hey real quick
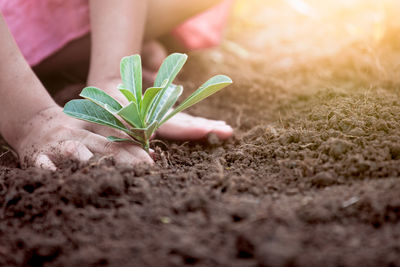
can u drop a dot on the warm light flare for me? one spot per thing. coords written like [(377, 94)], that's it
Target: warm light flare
[(312, 28)]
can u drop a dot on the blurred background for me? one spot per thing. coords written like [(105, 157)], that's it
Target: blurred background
[(362, 35), (313, 27), (280, 51)]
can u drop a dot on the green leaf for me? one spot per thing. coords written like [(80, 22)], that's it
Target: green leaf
[(131, 74), (167, 100), (138, 134), (151, 129), (86, 110), (117, 139), (210, 87), (131, 115), (164, 83), (148, 98), (143, 134), (101, 98), (128, 94), (169, 69)]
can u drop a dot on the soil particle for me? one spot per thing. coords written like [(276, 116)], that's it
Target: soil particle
[(394, 151), (42, 253), (323, 179), (337, 147), (213, 139), (357, 132)]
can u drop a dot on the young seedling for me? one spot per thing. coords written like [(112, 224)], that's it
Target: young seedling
[(146, 112)]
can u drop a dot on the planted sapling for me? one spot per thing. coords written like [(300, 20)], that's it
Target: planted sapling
[(144, 113)]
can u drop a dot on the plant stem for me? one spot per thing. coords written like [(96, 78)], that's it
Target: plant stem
[(146, 146)]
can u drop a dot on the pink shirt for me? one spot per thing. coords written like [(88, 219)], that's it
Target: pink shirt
[(42, 27)]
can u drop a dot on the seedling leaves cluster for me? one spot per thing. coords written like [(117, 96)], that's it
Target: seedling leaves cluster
[(144, 113)]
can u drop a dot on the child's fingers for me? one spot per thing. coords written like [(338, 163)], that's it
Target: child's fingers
[(74, 150), (122, 153), (223, 132), (140, 154), (55, 154), (44, 162), (152, 154), (186, 127)]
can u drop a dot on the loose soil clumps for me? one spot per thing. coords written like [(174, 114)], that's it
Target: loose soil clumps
[(311, 178)]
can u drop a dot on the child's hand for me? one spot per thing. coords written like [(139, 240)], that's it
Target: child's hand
[(51, 136), (186, 127)]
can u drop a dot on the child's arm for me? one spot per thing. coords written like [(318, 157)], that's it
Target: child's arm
[(32, 123), (22, 94), (117, 31)]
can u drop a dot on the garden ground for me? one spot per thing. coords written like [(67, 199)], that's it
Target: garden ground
[(311, 177)]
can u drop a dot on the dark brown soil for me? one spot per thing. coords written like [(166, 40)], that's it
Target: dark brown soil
[(311, 177)]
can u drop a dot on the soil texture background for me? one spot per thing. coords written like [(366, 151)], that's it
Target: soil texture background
[(311, 177)]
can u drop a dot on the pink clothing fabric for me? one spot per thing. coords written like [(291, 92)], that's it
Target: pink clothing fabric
[(42, 27)]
